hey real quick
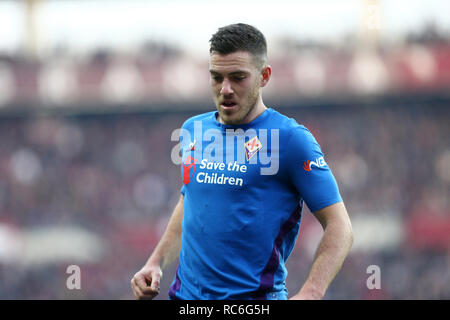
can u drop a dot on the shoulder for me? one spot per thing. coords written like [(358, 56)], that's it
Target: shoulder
[(291, 131)]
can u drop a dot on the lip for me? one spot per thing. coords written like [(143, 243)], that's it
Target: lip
[(225, 107)]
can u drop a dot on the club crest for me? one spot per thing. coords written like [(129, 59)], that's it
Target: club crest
[(252, 146)]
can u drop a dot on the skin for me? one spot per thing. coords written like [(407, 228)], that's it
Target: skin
[(237, 78), (145, 283), (331, 252)]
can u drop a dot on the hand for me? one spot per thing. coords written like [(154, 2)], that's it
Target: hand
[(145, 282)]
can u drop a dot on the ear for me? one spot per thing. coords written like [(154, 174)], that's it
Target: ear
[(265, 73)]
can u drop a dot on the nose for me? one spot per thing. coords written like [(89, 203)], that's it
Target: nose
[(226, 87)]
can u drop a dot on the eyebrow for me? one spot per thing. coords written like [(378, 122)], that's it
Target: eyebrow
[(238, 72)]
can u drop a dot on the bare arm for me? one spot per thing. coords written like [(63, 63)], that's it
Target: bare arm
[(169, 246), (331, 252), (145, 283)]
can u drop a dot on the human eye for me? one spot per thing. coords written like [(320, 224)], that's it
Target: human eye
[(216, 78), (238, 77)]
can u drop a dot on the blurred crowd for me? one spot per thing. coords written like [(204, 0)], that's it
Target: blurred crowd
[(111, 176), (157, 72), (96, 189)]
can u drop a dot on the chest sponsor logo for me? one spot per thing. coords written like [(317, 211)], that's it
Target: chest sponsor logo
[(188, 169), (227, 146)]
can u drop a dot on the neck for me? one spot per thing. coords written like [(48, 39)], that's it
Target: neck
[(256, 111)]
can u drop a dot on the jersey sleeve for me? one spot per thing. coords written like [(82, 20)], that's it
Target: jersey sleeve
[(310, 174)]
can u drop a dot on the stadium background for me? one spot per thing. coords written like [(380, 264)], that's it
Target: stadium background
[(86, 176)]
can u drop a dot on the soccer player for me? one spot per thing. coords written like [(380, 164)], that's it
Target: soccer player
[(247, 170)]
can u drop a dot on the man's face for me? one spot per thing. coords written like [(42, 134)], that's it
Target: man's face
[(235, 82)]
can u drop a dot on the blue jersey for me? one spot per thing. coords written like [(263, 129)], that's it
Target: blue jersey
[(244, 187)]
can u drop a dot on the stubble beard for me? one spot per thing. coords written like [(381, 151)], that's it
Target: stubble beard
[(241, 116)]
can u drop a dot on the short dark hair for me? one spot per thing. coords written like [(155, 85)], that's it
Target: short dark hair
[(240, 37)]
